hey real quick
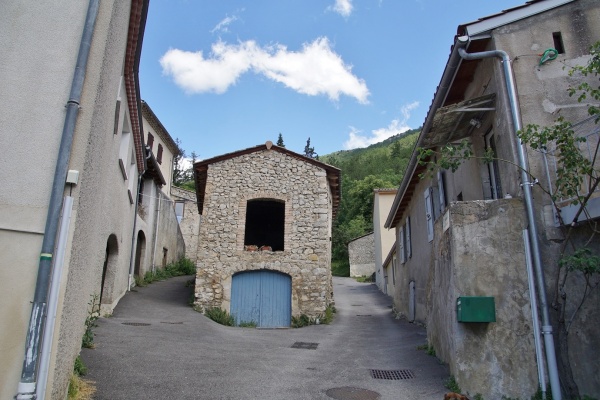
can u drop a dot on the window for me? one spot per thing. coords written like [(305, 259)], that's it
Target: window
[(558, 42), (265, 222), (429, 212), (179, 208), (159, 153), (495, 187), (441, 191), (401, 245), (150, 140)]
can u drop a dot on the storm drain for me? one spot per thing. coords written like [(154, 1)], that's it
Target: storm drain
[(363, 315), (171, 323), (352, 393), (136, 323), (393, 375), (305, 345)]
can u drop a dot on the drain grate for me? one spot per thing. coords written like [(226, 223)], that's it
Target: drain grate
[(363, 315), (393, 375), (352, 393), (305, 345), (171, 323), (136, 323)]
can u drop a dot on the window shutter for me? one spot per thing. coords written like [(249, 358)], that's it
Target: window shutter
[(429, 213), (150, 140), (159, 153), (401, 246), (408, 245)]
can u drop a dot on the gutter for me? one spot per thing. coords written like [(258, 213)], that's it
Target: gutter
[(27, 385), (510, 86)]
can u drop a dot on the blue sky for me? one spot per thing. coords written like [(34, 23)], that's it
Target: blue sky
[(227, 75)]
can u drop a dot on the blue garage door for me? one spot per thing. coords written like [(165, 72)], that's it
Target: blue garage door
[(263, 297)]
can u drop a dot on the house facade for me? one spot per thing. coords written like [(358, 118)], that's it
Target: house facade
[(361, 255), (159, 238), (264, 249), (72, 104), (384, 238), (481, 230)]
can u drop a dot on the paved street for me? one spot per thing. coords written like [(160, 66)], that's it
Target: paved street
[(156, 346)]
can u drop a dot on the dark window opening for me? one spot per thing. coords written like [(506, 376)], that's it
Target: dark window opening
[(558, 42), (265, 219), (459, 197), (150, 140), (159, 153)]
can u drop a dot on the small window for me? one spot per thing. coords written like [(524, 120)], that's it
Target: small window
[(179, 209), (401, 248), (558, 42), (150, 140), (159, 153), (265, 222)]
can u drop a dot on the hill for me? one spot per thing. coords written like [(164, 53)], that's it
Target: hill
[(380, 165)]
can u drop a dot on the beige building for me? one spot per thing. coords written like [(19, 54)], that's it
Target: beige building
[(384, 238), (264, 250), (71, 111), (485, 230)]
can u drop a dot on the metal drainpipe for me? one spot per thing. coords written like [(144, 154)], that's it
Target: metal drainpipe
[(133, 235), (526, 185), (27, 385)]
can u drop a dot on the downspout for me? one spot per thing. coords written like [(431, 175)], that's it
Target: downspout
[(133, 235), (27, 385), (526, 185)]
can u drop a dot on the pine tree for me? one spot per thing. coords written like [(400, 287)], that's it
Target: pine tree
[(280, 141), (310, 151)]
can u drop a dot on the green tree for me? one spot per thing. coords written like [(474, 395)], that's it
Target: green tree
[(280, 141), (181, 174), (310, 151)]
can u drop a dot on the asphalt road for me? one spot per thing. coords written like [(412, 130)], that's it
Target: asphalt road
[(155, 346)]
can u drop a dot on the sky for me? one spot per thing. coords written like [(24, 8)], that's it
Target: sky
[(227, 75)]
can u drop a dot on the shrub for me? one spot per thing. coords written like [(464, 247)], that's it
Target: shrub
[(220, 316)]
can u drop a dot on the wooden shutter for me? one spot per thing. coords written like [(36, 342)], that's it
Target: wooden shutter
[(429, 213)]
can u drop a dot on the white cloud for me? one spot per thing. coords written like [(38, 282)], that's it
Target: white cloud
[(223, 26), (356, 140), (343, 7), (315, 70)]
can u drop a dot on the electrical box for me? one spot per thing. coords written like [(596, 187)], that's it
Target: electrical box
[(475, 309)]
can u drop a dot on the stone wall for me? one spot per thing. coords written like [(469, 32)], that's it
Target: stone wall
[(361, 254), (266, 174), (482, 254), (190, 223)]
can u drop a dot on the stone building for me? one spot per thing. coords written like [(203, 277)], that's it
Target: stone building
[(478, 232), (361, 255), (264, 250)]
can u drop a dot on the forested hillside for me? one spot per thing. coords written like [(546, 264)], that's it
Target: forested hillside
[(378, 166)]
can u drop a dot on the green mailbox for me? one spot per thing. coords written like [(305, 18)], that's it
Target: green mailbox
[(475, 309)]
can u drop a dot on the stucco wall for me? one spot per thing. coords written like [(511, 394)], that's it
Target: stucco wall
[(482, 254), (361, 254), (307, 248), (385, 239), (542, 91), (35, 101)]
